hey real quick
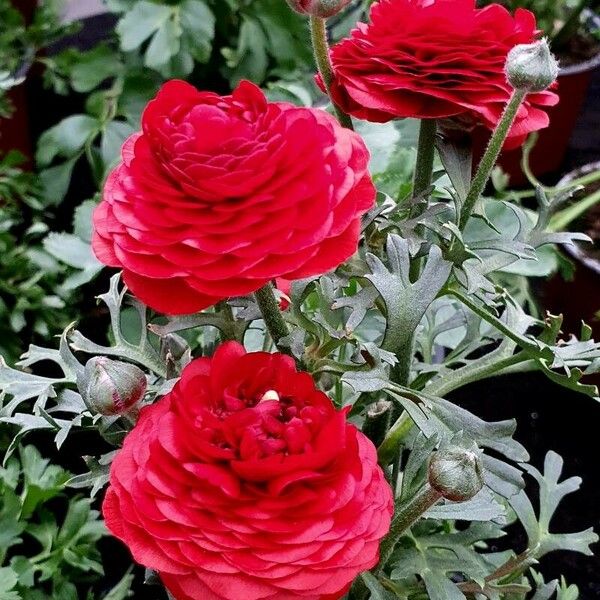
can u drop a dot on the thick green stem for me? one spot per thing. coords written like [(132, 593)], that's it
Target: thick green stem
[(405, 515), (484, 170), (483, 368), (524, 342), (425, 154), (318, 36), (269, 308), (422, 179)]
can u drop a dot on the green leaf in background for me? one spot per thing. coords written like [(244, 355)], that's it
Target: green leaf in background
[(76, 253), (142, 21), (177, 34), (113, 136), (55, 181), (121, 590), (94, 67), (249, 59), (8, 581), (393, 156), (138, 88), (164, 44), (82, 220), (378, 592), (552, 492), (11, 528), (198, 28), (66, 139), (41, 480), (49, 554), (97, 476)]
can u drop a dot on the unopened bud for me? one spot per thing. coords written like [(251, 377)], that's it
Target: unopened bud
[(531, 67), (318, 8), (111, 387), (456, 473)]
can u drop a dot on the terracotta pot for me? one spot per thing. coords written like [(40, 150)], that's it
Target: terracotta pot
[(553, 142), (579, 299)]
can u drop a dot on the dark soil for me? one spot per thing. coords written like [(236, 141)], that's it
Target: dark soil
[(550, 417), (577, 50), (589, 223)]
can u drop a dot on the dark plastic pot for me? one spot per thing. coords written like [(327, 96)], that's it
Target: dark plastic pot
[(578, 251), (579, 299), (551, 148), (14, 132), (550, 417)]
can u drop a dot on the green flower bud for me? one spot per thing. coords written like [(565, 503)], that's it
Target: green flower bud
[(456, 473), (111, 387), (318, 8), (531, 67)]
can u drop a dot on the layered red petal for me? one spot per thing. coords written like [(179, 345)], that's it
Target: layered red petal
[(219, 194)]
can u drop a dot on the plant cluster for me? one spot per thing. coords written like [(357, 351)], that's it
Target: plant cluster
[(20, 42), (48, 538)]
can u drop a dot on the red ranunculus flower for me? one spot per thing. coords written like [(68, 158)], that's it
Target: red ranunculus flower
[(246, 483), (434, 59), (219, 194)]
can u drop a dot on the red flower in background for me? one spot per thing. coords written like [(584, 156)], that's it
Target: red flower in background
[(435, 59), (246, 482), (218, 195)]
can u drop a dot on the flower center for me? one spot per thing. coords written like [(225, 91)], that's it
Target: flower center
[(269, 395)]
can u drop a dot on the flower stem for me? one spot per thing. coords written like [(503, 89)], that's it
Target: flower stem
[(405, 515), (269, 308), (421, 181), (425, 154), (484, 170), (318, 36)]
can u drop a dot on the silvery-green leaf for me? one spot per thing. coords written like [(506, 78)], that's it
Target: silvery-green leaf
[(552, 492), (405, 302), (378, 592), (483, 507)]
